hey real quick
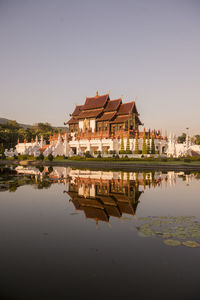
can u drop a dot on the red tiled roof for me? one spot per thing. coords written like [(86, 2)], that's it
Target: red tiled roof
[(72, 121), (77, 110), (90, 114), (126, 108), (108, 116), (112, 211), (120, 119), (113, 105), (95, 102), (95, 213)]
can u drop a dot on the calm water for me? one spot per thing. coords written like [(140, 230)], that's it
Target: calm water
[(77, 234)]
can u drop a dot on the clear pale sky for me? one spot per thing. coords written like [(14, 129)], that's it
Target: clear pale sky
[(55, 53)]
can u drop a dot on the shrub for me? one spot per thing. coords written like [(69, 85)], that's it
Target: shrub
[(41, 168), (87, 154), (187, 160), (50, 157), (23, 157), (99, 155), (164, 159), (117, 156), (15, 157), (50, 169), (177, 159), (60, 157), (40, 157), (122, 152), (95, 152), (77, 157)]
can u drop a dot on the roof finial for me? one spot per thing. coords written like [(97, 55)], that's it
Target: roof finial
[(97, 94)]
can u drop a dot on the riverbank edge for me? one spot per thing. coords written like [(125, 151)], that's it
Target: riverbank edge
[(107, 165)]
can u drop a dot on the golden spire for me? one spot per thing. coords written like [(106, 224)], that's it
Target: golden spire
[(97, 94)]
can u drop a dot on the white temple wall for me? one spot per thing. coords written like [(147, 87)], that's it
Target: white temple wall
[(81, 124), (93, 125)]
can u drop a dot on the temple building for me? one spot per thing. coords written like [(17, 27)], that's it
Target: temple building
[(106, 127), (100, 124), (100, 114)]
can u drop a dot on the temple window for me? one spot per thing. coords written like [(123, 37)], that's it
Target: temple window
[(105, 126), (99, 126)]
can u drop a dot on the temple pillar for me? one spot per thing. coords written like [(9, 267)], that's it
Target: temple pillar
[(88, 146), (100, 146)]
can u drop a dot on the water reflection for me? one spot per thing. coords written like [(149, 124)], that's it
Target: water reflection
[(49, 241), (98, 194)]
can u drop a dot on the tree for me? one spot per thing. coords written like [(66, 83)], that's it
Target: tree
[(40, 157), (128, 143), (50, 157), (148, 144), (136, 144), (44, 127), (153, 150), (2, 155), (122, 143), (197, 139), (182, 138), (144, 147)]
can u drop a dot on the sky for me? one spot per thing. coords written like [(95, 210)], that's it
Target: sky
[(54, 53)]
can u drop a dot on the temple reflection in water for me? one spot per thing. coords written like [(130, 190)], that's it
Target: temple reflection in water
[(101, 194)]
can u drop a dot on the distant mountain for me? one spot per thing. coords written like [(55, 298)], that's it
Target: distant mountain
[(25, 126)]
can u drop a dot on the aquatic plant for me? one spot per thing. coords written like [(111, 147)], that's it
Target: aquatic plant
[(175, 231)]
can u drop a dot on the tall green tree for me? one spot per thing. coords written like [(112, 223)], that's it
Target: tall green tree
[(148, 144), (122, 143), (128, 143), (153, 150), (136, 144), (144, 146), (2, 155)]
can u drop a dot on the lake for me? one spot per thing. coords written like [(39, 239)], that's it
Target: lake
[(81, 234)]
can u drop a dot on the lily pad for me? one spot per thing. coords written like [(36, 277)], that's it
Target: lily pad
[(147, 232), (144, 218), (191, 244), (172, 242), (166, 236)]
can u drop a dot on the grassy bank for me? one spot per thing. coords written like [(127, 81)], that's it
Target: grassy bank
[(125, 164)]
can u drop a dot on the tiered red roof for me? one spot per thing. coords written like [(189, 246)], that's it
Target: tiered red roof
[(95, 102), (90, 113), (107, 116), (103, 109), (77, 110), (113, 105), (126, 108)]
